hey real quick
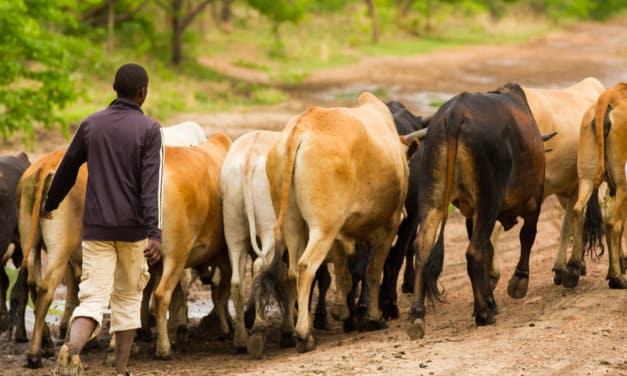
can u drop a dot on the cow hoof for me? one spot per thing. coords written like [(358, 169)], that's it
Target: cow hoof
[(320, 321), (349, 325), (256, 344), (305, 345), (33, 361), (485, 318), (390, 311), (407, 288), (617, 283), (570, 276), (623, 264), (416, 329), (517, 287), (372, 325), (287, 340), (161, 354)]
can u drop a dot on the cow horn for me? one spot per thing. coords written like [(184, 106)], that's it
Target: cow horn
[(420, 134), (548, 136)]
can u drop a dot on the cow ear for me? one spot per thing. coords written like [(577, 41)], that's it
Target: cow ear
[(412, 146)]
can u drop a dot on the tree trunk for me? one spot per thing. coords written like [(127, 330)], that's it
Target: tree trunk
[(372, 12), (110, 25), (226, 12), (177, 31), (429, 11)]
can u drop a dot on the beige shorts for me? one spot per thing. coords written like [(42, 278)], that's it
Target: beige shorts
[(114, 272)]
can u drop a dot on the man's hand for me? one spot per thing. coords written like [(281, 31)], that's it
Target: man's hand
[(45, 214), (152, 253)]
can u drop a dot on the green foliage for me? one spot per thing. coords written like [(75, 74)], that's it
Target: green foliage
[(327, 5), (279, 11), (37, 61), (580, 9)]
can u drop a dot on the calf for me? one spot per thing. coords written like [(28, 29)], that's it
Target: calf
[(337, 176), (601, 156), (484, 153)]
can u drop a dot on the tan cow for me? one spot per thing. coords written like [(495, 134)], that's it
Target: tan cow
[(336, 173), (559, 110), (61, 237), (602, 156), (193, 234)]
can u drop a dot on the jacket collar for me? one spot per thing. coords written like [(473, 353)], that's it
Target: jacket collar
[(125, 103)]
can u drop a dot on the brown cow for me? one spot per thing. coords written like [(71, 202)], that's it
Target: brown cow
[(602, 156), (336, 175)]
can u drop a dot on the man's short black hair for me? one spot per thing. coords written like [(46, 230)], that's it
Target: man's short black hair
[(129, 79)]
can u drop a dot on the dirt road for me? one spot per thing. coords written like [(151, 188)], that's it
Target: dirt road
[(552, 331)]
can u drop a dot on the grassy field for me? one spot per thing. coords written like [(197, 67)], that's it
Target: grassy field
[(319, 41)]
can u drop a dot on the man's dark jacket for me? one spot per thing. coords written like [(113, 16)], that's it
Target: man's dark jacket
[(124, 155)]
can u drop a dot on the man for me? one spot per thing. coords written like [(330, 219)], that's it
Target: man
[(124, 155)]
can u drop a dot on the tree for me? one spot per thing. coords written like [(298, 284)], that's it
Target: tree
[(36, 65), (279, 11), (372, 13), (181, 14)]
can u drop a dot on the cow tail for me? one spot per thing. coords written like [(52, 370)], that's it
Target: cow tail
[(37, 189), (593, 230), (599, 120), (249, 205), (435, 261), (269, 282)]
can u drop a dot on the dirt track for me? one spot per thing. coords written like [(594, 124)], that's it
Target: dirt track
[(551, 331)]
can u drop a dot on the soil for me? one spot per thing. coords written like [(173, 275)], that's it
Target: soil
[(551, 331)]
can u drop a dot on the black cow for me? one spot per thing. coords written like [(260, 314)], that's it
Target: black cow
[(405, 122), (11, 169), (484, 153)]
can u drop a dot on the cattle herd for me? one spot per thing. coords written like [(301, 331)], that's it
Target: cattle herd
[(365, 188)]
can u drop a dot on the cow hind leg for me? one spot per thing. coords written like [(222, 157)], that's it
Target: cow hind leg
[(574, 267), (41, 343), (478, 260), (18, 301), (559, 266), (318, 247), (615, 228), (323, 279), (238, 262), (71, 301), (163, 295)]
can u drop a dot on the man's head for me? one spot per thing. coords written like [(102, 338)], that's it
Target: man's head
[(131, 82)]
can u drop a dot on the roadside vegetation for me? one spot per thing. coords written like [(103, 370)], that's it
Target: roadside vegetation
[(62, 53)]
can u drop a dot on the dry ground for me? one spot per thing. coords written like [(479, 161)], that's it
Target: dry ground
[(552, 331)]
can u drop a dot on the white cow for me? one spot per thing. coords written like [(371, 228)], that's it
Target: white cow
[(187, 133), (248, 213)]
